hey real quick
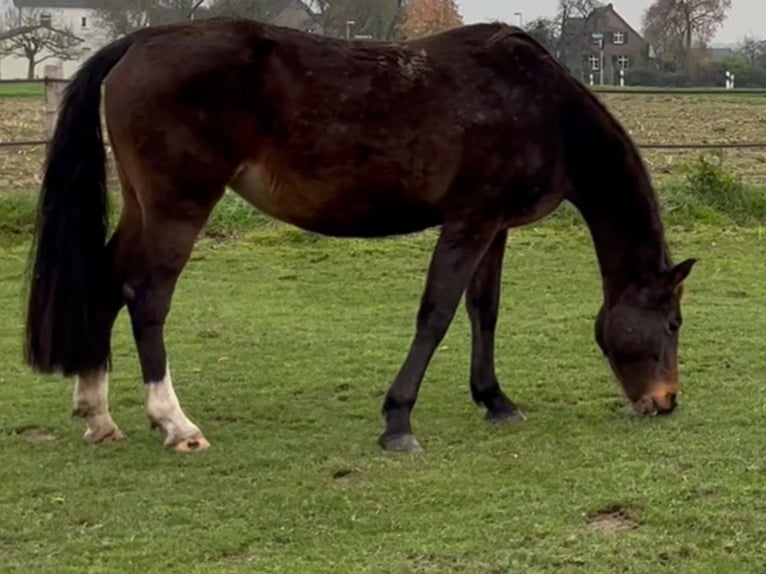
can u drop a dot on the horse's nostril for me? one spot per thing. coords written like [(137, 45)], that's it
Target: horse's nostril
[(669, 406)]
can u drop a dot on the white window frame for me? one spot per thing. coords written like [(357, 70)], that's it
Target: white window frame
[(594, 63), (623, 63), (621, 36)]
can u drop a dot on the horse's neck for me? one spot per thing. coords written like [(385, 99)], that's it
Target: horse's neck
[(614, 195)]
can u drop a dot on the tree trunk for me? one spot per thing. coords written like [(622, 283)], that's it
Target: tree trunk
[(30, 68)]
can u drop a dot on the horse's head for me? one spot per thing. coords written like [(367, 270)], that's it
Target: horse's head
[(639, 336)]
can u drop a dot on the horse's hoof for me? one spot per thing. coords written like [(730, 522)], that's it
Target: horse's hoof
[(103, 436), (506, 416), (194, 444), (400, 443)]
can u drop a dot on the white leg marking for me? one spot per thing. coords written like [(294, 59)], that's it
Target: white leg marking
[(164, 411), (91, 403)]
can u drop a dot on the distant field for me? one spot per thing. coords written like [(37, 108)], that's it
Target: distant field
[(652, 119), (695, 119), (21, 90)]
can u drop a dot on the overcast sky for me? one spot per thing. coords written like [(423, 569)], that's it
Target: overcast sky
[(746, 16)]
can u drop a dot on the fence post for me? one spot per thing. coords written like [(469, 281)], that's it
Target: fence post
[(54, 92)]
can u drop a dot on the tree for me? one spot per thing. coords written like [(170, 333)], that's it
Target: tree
[(677, 27), (546, 31), (120, 17), (40, 42), (754, 50), (424, 17), (253, 9), (380, 19)]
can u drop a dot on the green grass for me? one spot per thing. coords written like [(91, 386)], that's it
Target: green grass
[(281, 349), (22, 90)]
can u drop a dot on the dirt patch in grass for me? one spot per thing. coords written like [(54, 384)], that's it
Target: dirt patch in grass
[(613, 520), (37, 434)]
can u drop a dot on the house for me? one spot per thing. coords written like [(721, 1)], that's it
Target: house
[(81, 17), (596, 48), (77, 16), (294, 14)]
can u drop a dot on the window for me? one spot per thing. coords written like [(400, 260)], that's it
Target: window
[(45, 19), (618, 38), (594, 63), (84, 22), (623, 62)]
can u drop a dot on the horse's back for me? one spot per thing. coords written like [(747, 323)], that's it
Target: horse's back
[(344, 138)]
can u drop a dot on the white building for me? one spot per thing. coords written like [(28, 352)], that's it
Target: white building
[(78, 16)]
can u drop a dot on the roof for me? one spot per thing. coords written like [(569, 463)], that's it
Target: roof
[(610, 6), (53, 4), (577, 25)]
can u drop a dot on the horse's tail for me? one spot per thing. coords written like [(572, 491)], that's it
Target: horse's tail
[(67, 282)]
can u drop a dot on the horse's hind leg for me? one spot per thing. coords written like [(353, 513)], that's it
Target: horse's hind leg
[(170, 230), (90, 401), (482, 302), (460, 247)]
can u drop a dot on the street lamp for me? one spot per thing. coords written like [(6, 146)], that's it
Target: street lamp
[(521, 18), (599, 39), (349, 23)]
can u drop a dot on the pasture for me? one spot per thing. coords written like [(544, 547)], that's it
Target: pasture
[(282, 351), (283, 343)]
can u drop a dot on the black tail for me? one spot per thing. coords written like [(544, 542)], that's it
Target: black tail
[(69, 270)]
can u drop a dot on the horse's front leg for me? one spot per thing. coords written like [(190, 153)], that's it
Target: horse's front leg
[(459, 250), (482, 302)]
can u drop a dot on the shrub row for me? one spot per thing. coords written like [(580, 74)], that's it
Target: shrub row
[(705, 192)]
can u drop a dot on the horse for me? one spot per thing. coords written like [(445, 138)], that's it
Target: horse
[(472, 132)]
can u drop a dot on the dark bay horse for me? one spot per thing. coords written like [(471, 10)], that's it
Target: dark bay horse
[(475, 130)]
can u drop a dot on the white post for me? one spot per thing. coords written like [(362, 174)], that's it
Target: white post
[(590, 78), (601, 66), (733, 76), (622, 78), (54, 93)]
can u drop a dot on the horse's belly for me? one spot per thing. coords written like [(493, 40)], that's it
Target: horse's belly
[(317, 207)]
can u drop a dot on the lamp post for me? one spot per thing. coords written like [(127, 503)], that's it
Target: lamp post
[(349, 24), (599, 39), (520, 16)]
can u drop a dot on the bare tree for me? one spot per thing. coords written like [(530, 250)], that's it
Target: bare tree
[(754, 50), (381, 19), (547, 31), (253, 9), (120, 17), (676, 27), (39, 42)]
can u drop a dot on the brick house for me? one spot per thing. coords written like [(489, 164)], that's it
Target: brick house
[(623, 47)]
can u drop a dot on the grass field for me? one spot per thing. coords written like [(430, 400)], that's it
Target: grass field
[(282, 346), (22, 90)]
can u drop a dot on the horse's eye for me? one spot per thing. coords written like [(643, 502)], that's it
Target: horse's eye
[(674, 325)]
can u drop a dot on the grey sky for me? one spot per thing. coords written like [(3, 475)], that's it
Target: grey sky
[(746, 16)]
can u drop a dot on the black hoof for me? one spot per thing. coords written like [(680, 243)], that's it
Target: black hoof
[(506, 416), (400, 443)]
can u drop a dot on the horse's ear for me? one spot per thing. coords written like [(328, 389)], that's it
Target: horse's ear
[(676, 276)]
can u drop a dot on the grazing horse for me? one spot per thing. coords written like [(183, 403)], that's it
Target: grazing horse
[(475, 130)]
